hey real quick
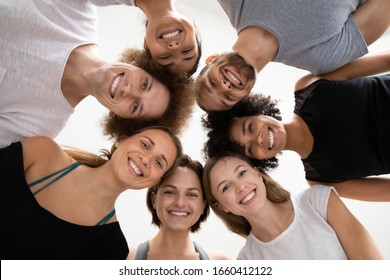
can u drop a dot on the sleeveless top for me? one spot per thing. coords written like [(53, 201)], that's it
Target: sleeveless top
[(29, 231), (350, 124), (143, 249)]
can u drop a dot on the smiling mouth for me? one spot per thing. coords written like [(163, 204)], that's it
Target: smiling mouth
[(115, 84), (271, 139), (135, 168), (170, 35), (233, 78), (178, 213), (248, 197)]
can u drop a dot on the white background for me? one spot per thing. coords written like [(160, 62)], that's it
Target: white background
[(121, 27)]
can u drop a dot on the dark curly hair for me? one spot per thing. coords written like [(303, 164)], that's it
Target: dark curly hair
[(197, 168), (218, 124), (180, 106)]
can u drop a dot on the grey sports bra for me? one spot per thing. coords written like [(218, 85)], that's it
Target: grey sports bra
[(143, 249)]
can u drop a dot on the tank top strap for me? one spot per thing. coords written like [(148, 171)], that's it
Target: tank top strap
[(106, 218), (142, 251), (202, 253), (61, 173)]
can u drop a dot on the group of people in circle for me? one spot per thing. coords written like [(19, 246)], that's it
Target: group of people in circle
[(59, 202)]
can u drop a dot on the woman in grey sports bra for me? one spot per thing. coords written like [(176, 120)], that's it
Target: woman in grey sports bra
[(178, 208)]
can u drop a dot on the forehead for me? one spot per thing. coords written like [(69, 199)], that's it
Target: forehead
[(183, 178)]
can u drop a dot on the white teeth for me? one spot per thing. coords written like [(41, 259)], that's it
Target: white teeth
[(248, 197), (115, 84), (170, 35), (234, 78), (270, 139), (135, 168), (178, 213)]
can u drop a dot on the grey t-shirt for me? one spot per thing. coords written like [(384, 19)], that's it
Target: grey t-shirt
[(318, 36)]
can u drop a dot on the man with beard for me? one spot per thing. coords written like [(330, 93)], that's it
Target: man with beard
[(318, 36)]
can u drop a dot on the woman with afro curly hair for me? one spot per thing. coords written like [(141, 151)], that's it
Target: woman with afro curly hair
[(180, 105), (340, 129)]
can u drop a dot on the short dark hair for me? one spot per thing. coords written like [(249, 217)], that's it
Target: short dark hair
[(218, 124), (195, 166), (180, 106)]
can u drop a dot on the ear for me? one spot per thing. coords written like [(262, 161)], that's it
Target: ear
[(211, 58), (220, 206), (145, 45), (134, 63), (113, 115), (153, 198)]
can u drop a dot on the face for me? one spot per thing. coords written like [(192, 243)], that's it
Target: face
[(262, 136), (237, 186), (179, 200), (226, 81), (172, 42), (130, 92), (142, 159)]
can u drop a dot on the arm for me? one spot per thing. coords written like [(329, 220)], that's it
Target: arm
[(355, 239), (367, 189), (373, 19), (367, 65)]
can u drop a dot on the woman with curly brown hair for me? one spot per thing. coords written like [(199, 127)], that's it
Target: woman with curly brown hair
[(340, 129), (180, 105)]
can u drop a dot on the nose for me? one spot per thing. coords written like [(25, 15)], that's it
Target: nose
[(179, 201), (145, 160), (259, 140), (132, 91), (173, 45), (226, 85), (240, 187)]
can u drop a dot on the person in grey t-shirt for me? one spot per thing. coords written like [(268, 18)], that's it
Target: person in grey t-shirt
[(319, 36)]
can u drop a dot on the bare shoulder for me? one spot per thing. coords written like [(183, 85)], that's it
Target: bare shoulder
[(41, 148), (305, 81), (215, 254)]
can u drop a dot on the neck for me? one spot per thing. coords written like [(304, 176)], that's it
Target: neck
[(156, 9), (169, 244), (76, 79), (299, 137), (273, 221), (257, 46)]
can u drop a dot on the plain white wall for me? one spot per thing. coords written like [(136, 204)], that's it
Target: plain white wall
[(121, 27)]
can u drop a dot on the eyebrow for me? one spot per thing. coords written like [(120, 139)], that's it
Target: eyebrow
[(162, 155)]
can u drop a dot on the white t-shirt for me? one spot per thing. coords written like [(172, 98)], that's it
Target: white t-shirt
[(309, 237), (36, 39)]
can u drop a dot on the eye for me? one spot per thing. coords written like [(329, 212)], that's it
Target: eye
[(250, 149), (241, 173), (225, 188), (145, 84), (212, 82), (250, 128), (187, 50), (228, 97), (168, 192), (165, 57), (159, 164), (134, 107), (193, 195), (144, 145)]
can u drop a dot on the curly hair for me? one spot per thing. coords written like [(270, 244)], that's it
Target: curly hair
[(218, 124), (197, 168), (180, 106)]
